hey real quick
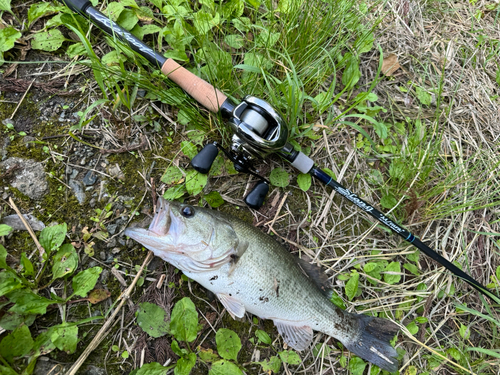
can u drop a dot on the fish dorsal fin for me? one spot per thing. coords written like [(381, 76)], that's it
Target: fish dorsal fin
[(316, 274), (298, 338), (232, 305)]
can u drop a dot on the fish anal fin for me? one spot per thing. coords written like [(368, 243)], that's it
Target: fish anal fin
[(317, 275), (233, 306), (298, 337)]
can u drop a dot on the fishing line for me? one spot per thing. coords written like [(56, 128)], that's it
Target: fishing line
[(258, 131)]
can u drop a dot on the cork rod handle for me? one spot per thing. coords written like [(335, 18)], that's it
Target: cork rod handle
[(202, 91)]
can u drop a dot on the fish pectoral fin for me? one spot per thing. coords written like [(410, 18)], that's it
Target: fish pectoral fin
[(298, 337), (232, 305)]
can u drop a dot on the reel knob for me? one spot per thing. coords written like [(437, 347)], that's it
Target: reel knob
[(204, 159), (255, 199)]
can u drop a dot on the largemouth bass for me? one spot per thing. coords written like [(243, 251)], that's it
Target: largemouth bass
[(250, 272)]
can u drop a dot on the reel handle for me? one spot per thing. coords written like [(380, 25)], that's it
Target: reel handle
[(255, 199), (205, 158)]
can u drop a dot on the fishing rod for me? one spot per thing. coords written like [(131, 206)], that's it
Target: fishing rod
[(258, 131)]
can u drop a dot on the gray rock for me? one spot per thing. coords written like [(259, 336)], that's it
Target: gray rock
[(93, 202), (102, 255), (15, 222), (28, 141), (104, 275), (112, 228), (29, 178), (77, 187), (45, 366), (111, 243), (74, 173), (90, 178), (3, 148), (92, 370)]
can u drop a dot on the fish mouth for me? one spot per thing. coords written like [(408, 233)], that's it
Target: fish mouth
[(154, 238)]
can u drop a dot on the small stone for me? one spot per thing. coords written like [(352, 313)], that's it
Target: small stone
[(90, 178), (115, 171), (111, 243), (92, 202), (104, 275), (28, 178), (112, 228), (77, 187), (74, 173), (116, 250), (102, 255), (15, 222), (83, 161)]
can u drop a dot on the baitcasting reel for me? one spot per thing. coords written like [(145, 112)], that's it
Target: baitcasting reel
[(258, 131)]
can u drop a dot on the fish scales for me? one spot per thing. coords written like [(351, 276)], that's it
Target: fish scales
[(250, 272)]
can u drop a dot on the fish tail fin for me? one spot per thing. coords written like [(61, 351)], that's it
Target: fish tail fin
[(373, 342)]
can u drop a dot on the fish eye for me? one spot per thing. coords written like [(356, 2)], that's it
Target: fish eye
[(187, 211)]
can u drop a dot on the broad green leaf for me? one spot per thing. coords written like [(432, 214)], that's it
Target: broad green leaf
[(9, 282), (364, 43), (234, 41), (3, 257), (65, 337), (8, 37), (412, 328), (151, 318), (351, 287), (228, 344), (304, 181), (150, 29), (279, 177), (214, 199), (129, 3), (258, 61), (356, 366), (5, 6), (65, 261), (254, 3), (28, 269), (223, 367), (172, 175), (16, 344), (175, 192), (189, 149), (85, 281), (114, 10), (185, 364), (177, 349), (464, 331), (113, 58), (351, 73), (77, 49), (263, 337), (412, 268), (11, 320), (153, 368), (393, 267), (128, 19), (456, 354), (51, 238), (233, 9), (388, 201), (207, 355), (7, 371), (48, 40), (337, 300), (195, 182), (290, 357), (26, 302), (184, 320), (5, 229), (423, 96), (203, 21), (267, 39), (273, 364), (41, 9)]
